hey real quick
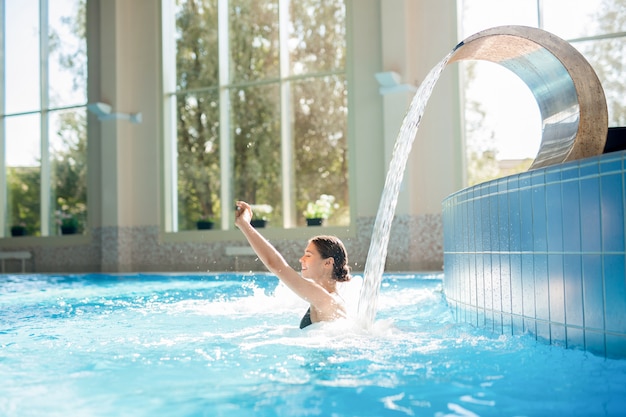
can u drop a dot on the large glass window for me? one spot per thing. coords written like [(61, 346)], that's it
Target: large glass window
[(502, 121), (43, 92), (256, 108)]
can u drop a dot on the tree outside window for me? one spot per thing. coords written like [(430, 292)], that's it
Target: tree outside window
[(260, 107), (43, 121)]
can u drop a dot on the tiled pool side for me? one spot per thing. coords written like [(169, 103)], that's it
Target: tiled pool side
[(543, 252)]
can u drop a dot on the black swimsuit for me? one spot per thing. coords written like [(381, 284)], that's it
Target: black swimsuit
[(306, 320)]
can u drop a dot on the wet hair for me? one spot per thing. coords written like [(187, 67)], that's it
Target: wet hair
[(332, 247)]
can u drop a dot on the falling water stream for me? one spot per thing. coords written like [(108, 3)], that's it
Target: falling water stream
[(375, 264)]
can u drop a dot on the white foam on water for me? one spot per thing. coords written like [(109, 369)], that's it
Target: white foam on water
[(202, 352)]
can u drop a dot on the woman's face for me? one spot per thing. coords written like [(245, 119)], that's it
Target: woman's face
[(313, 266)]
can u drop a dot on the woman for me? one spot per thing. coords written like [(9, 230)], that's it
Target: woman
[(324, 264)]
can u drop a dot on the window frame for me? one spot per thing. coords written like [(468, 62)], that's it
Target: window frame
[(170, 94), (44, 110)]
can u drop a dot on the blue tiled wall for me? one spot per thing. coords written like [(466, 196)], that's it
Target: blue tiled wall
[(543, 252)]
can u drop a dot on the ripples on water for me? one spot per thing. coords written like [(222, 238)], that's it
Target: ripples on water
[(230, 345)]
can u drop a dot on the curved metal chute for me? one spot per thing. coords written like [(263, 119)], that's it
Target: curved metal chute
[(565, 86)]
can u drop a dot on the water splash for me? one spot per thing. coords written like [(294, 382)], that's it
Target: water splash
[(377, 254)]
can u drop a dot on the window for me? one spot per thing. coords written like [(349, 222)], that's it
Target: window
[(502, 121), (43, 91), (255, 108)]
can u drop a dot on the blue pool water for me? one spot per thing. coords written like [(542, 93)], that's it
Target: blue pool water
[(229, 345)]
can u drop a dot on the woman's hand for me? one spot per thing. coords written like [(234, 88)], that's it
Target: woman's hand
[(243, 213)]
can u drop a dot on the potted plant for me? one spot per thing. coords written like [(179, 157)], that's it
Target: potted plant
[(260, 214), (18, 229), (68, 223), (320, 210), (205, 223)]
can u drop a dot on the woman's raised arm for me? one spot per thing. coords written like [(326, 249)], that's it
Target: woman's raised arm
[(276, 263)]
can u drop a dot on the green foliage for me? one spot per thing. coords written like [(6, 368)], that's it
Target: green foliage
[(197, 113), (69, 164), (67, 220), (321, 137), (318, 114), (68, 144), (24, 186), (320, 104), (68, 182)]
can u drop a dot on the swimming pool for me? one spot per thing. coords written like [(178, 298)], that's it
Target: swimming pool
[(229, 345)]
